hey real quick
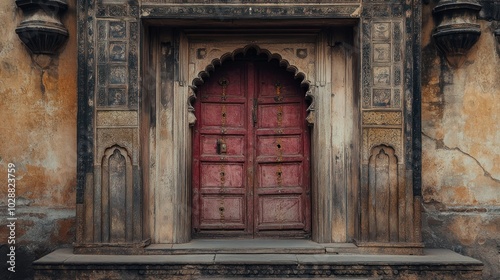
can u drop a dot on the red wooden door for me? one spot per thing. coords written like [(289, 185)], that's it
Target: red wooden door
[(251, 153)]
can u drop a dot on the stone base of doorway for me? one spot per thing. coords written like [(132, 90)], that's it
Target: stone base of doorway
[(433, 264)]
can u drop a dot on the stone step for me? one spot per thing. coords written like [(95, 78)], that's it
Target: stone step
[(434, 264)]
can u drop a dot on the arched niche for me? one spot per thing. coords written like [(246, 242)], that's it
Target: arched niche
[(116, 196)]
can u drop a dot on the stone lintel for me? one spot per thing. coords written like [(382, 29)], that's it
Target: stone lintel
[(240, 11)]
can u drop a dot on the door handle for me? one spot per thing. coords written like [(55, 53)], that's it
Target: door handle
[(221, 147)]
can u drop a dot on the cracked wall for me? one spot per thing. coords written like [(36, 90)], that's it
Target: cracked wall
[(461, 149), (38, 134)]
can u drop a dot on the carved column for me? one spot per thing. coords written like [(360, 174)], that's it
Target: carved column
[(109, 195), (389, 201)]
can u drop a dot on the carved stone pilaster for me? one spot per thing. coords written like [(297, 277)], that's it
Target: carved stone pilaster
[(457, 30), (41, 29)]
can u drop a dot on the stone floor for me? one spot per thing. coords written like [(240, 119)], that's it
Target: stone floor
[(258, 259)]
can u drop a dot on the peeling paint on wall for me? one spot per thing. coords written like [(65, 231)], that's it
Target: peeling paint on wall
[(38, 134), (461, 152)]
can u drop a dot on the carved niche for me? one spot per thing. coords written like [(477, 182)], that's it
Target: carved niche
[(384, 198), (116, 196)]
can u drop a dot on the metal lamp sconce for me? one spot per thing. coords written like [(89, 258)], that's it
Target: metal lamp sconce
[(457, 30), (41, 29)]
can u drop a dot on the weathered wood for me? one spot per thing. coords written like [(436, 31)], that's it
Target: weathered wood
[(364, 201), (402, 218), (322, 150), (393, 198), (135, 206), (251, 124), (116, 193), (338, 122), (381, 196), (98, 218), (371, 201), (88, 211), (165, 163), (352, 142)]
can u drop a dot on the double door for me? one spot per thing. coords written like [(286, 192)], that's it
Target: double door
[(251, 153)]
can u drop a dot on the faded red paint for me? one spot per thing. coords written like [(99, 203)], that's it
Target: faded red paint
[(251, 153)]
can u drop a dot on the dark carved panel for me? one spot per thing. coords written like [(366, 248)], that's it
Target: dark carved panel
[(118, 8), (117, 69), (257, 11), (382, 64), (86, 83)]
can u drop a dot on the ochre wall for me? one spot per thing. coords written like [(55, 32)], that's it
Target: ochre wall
[(460, 125), (38, 135), (461, 149)]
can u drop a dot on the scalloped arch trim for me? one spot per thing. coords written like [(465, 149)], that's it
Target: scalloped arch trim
[(199, 79)]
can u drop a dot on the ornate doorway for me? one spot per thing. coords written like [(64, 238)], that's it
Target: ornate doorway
[(251, 160)]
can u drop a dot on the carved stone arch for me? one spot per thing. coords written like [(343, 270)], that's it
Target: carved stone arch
[(116, 195), (383, 198), (298, 73)]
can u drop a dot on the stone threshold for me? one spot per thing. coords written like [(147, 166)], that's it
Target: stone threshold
[(238, 246), (434, 264)]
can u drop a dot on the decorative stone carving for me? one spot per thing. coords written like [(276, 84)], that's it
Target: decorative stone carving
[(457, 30), (382, 118), (191, 99), (388, 220), (115, 191), (382, 212), (41, 29), (311, 118), (217, 57)]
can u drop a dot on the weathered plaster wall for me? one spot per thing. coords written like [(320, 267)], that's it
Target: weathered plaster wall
[(461, 149), (38, 135)]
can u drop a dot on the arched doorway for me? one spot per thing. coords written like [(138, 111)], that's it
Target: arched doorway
[(251, 163)]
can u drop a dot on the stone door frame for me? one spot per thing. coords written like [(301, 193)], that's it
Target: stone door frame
[(306, 53), (136, 85)]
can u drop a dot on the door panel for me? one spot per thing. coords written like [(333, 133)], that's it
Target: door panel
[(281, 212), (280, 115), (227, 212), (223, 115), (235, 145), (251, 153), (286, 145), (222, 176), (280, 175)]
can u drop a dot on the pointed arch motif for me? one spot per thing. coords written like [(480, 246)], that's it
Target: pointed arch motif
[(200, 77), (116, 195)]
